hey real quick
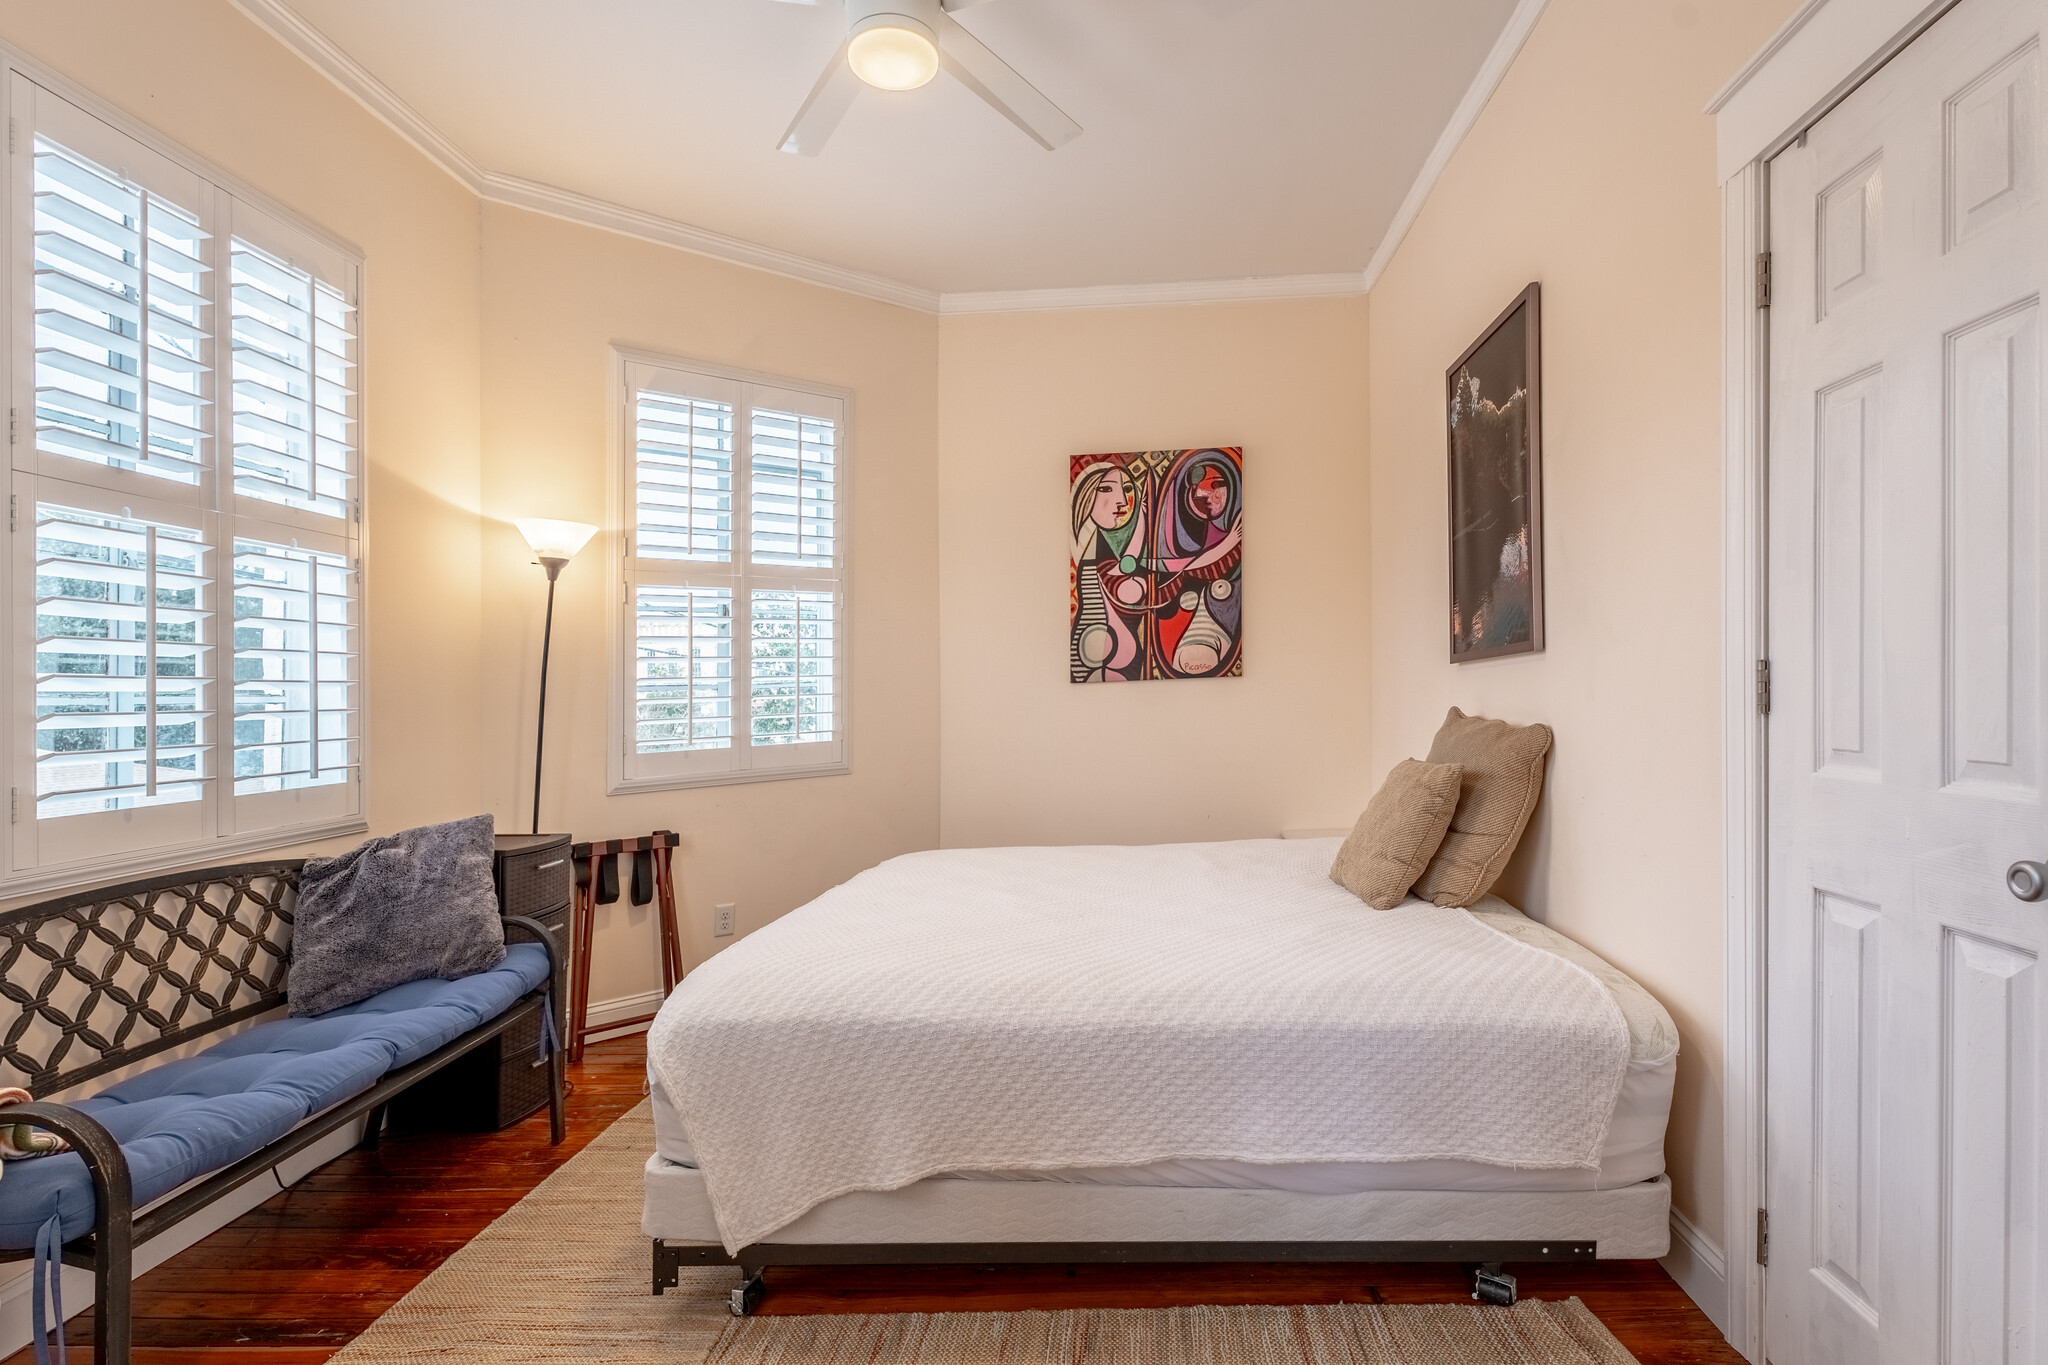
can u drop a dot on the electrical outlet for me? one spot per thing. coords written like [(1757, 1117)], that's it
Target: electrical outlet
[(721, 923)]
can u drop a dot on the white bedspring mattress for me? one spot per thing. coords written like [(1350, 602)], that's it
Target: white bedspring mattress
[(1633, 1152)]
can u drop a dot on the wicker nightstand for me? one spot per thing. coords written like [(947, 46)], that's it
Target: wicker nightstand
[(505, 1080)]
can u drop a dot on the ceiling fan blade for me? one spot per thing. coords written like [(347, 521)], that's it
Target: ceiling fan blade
[(829, 100), (990, 77)]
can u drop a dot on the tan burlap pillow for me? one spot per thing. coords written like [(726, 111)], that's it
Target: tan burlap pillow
[(1503, 766), (1401, 827)]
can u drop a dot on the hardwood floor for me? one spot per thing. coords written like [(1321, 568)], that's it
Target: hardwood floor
[(288, 1283)]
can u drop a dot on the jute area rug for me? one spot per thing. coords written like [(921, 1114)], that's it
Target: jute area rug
[(563, 1277)]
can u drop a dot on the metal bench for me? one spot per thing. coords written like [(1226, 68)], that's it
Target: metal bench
[(96, 982)]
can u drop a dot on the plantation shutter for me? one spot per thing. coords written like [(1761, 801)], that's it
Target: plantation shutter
[(122, 655), (734, 590), (793, 482), (682, 686), (683, 478), (121, 305), (295, 668), (791, 680), (184, 604), (294, 380)]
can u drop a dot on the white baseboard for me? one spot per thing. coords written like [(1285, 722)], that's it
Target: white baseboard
[(603, 1012), (1700, 1269), (16, 1323)]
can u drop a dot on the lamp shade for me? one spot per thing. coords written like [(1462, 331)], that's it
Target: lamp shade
[(553, 539)]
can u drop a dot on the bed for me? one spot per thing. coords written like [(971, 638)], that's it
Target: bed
[(1179, 1052)]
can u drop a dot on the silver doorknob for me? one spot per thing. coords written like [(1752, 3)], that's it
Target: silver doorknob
[(2027, 881)]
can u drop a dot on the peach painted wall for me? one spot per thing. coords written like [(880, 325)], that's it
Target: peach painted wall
[(556, 298), (206, 77), (486, 388), (1591, 171), (1027, 756)]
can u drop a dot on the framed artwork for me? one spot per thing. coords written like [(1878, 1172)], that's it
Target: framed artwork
[(1155, 585), (1494, 426)]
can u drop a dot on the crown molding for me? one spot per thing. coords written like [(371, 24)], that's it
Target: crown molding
[(1492, 71), (324, 56), (652, 227), (1143, 295), (319, 52)]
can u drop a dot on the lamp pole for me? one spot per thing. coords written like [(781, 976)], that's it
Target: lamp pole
[(554, 565), (554, 544)]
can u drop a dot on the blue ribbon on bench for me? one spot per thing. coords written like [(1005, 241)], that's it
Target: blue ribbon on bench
[(47, 1276), (550, 1041)]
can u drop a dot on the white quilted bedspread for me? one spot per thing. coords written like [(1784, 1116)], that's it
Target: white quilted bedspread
[(1002, 1009)]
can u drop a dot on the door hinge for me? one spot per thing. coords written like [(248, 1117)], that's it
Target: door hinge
[(10, 134), (1763, 1237), (1763, 279), (14, 805), (14, 511), (13, 421), (1763, 687)]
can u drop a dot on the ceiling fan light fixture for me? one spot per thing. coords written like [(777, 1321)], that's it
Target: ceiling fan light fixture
[(893, 52)]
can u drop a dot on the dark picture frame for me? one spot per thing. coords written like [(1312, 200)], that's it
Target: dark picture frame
[(1493, 438)]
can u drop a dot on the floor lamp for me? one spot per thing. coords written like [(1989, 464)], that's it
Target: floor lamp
[(554, 544)]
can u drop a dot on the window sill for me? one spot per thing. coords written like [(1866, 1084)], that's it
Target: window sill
[(129, 867), (626, 786)]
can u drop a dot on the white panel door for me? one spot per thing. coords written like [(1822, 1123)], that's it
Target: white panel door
[(1906, 623)]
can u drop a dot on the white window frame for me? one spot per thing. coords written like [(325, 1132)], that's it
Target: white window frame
[(153, 839), (743, 761)]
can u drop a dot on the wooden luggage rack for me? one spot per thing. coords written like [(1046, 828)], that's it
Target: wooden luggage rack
[(597, 882)]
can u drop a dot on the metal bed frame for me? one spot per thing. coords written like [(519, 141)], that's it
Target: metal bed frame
[(107, 978), (1490, 1283)]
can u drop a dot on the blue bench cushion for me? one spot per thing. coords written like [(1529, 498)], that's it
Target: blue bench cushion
[(186, 1118)]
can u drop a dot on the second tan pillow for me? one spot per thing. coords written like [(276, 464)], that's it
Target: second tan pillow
[(1402, 826), (1503, 767)]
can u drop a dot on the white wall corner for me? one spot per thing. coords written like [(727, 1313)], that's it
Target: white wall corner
[(1521, 23), (1700, 1269)]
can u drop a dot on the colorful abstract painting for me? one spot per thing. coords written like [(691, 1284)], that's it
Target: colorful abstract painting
[(1156, 589)]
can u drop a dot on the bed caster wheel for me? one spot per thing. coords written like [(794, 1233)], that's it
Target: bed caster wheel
[(1490, 1284), (747, 1297)]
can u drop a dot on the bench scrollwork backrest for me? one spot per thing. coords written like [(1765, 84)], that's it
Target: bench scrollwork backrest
[(97, 980)]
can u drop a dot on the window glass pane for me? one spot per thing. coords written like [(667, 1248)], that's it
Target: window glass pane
[(294, 385), (792, 667), (683, 670), (682, 478), (792, 495), (120, 326), (295, 683), (120, 664)]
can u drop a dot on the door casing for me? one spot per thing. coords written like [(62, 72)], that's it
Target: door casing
[(1821, 54)]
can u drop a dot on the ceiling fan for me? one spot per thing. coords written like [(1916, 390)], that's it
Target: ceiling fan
[(900, 45)]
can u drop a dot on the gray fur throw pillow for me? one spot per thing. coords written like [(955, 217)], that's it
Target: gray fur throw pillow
[(402, 907)]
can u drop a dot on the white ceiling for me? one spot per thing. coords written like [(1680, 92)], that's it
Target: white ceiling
[(1223, 139)]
